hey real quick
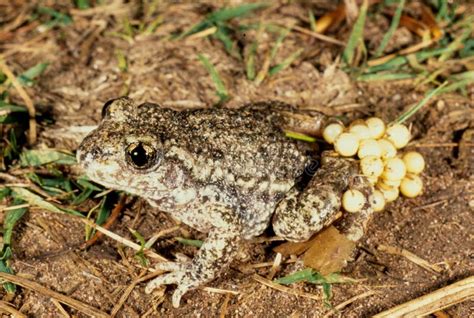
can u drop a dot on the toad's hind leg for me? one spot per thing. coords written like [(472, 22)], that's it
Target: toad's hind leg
[(303, 213), (216, 252)]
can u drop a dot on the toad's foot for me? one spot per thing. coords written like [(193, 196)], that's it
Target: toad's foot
[(216, 252), (179, 274)]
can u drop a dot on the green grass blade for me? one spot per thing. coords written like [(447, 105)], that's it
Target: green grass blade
[(230, 13), (250, 63), (391, 30), (457, 44), (356, 35), (39, 157), (418, 106), (196, 243), (286, 62), (312, 21), (279, 42), (385, 77), (442, 10), (153, 25), (58, 17), (83, 4), (11, 218), (461, 81), (298, 136), (299, 276), (9, 287), (29, 75), (221, 91), (122, 61), (221, 15), (223, 35), (106, 207), (36, 200)]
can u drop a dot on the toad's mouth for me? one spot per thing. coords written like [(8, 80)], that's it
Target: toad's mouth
[(156, 194)]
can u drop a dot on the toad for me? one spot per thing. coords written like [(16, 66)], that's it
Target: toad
[(230, 173)]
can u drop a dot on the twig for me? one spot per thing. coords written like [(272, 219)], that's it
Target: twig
[(411, 257), (123, 240), (28, 102), (113, 216), (348, 302), (125, 295), (202, 33), (284, 289), (11, 310), (225, 307), (437, 300), (220, 291), (275, 266), (318, 36), (61, 309), (71, 302)]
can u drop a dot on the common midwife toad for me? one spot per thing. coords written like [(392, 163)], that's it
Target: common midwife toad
[(226, 172)]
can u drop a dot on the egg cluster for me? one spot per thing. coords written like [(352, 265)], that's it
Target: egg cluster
[(376, 147)]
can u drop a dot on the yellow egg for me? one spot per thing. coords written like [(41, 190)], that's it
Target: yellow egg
[(376, 127), (353, 201), (361, 130), (332, 131), (372, 180), (389, 193), (414, 162), (394, 169), (390, 183), (388, 149), (411, 186), (347, 144), (399, 135), (369, 147), (371, 166), (377, 201)]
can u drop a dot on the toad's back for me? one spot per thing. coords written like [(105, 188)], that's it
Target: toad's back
[(248, 142)]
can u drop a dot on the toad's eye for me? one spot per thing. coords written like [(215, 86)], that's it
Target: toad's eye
[(140, 155), (106, 107)]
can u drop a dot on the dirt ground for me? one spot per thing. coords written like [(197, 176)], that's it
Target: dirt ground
[(84, 72)]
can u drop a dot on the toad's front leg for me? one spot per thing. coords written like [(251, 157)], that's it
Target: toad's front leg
[(304, 213), (217, 251)]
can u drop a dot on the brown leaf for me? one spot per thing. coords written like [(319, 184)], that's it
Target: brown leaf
[(329, 251), (293, 248)]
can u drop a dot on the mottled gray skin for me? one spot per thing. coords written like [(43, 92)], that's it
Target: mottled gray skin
[(229, 173)]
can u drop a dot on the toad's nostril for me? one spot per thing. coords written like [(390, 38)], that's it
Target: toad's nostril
[(80, 156)]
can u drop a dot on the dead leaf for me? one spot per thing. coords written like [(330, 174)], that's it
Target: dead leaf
[(329, 251)]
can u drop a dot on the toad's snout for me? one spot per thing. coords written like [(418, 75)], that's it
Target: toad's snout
[(88, 151)]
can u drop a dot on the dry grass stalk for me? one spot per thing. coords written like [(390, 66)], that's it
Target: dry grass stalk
[(411, 257), (225, 307), (6, 307), (125, 295), (60, 308), (275, 266), (123, 240), (432, 302), (220, 291), (71, 302), (113, 216), (348, 302), (28, 102), (318, 36)]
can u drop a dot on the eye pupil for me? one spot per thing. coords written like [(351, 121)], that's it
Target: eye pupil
[(106, 106), (141, 155)]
